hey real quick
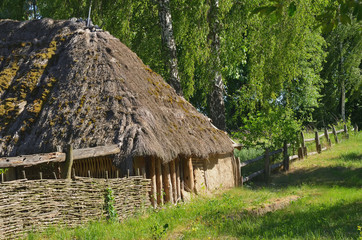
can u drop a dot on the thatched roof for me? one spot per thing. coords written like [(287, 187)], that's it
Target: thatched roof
[(62, 83)]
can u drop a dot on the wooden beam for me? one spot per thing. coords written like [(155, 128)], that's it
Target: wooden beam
[(95, 152), (159, 181), (326, 134), (31, 160), (153, 182), (173, 180)]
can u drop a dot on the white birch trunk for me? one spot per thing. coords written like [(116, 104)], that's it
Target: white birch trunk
[(169, 44)]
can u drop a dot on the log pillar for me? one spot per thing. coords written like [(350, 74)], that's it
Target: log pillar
[(335, 134), (173, 180), (153, 182), (317, 143), (159, 181), (166, 178), (189, 175), (67, 167), (178, 182)]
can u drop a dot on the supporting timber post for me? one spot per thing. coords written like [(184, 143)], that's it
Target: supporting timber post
[(153, 183), (67, 170), (285, 157), (178, 182), (326, 134), (355, 128), (317, 142), (267, 165), (159, 181), (173, 180), (335, 134), (346, 131), (167, 182), (189, 175)]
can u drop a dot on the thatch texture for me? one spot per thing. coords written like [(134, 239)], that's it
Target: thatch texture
[(62, 83)]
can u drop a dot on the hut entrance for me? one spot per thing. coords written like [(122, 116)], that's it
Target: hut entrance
[(95, 167)]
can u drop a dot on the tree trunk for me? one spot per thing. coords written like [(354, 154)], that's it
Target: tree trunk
[(217, 105), (169, 45)]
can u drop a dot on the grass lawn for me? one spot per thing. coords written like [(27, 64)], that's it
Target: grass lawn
[(319, 198)]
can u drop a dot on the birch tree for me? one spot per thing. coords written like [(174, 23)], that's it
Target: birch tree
[(169, 45), (217, 104)]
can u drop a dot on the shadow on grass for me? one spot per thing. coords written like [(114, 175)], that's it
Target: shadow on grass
[(352, 156), (322, 221), (323, 176)]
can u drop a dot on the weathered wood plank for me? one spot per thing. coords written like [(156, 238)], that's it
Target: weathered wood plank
[(253, 175), (309, 140), (95, 151), (243, 164), (30, 160), (276, 151)]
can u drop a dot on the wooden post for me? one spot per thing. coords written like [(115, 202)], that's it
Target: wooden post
[(317, 142), (173, 180), (238, 173), (189, 175), (153, 183), (67, 170), (40, 175), (241, 177), (73, 173), (167, 182), (127, 173), (106, 175), (178, 182), (346, 131), (304, 148), (335, 134), (89, 175), (117, 174), (267, 165), (24, 175), (55, 175), (2, 178), (326, 134), (143, 170), (138, 172), (286, 157), (355, 128), (159, 181)]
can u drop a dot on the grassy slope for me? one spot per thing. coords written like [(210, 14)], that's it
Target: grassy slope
[(329, 207)]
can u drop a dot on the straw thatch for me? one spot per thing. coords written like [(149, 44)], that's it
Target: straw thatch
[(62, 83)]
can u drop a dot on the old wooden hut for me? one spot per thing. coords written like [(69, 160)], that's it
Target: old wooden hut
[(64, 83)]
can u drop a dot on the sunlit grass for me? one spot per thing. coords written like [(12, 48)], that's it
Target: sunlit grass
[(329, 207)]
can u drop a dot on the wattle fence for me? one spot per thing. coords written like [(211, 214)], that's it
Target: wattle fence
[(27, 205)]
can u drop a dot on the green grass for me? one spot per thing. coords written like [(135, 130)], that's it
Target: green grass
[(329, 207)]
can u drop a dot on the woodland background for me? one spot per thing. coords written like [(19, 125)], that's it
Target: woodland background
[(256, 68)]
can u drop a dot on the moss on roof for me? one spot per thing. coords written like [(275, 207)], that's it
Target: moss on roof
[(61, 83)]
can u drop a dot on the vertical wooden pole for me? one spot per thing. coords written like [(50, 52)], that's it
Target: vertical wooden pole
[(189, 175), (267, 165), (326, 134), (238, 172), (173, 180), (153, 183), (317, 142), (106, 174), (2, 178), (286, 157), (178, 182), (24, 175), (304, 148), (117, 174), (159, 181), (241, 177), (67, 171), (55, 175), (355, 128), (345, 131), (167, 182), (40, 175), (335, 134), (182, 180)]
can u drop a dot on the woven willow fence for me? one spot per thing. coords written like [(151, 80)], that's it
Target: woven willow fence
[(36, 204)]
